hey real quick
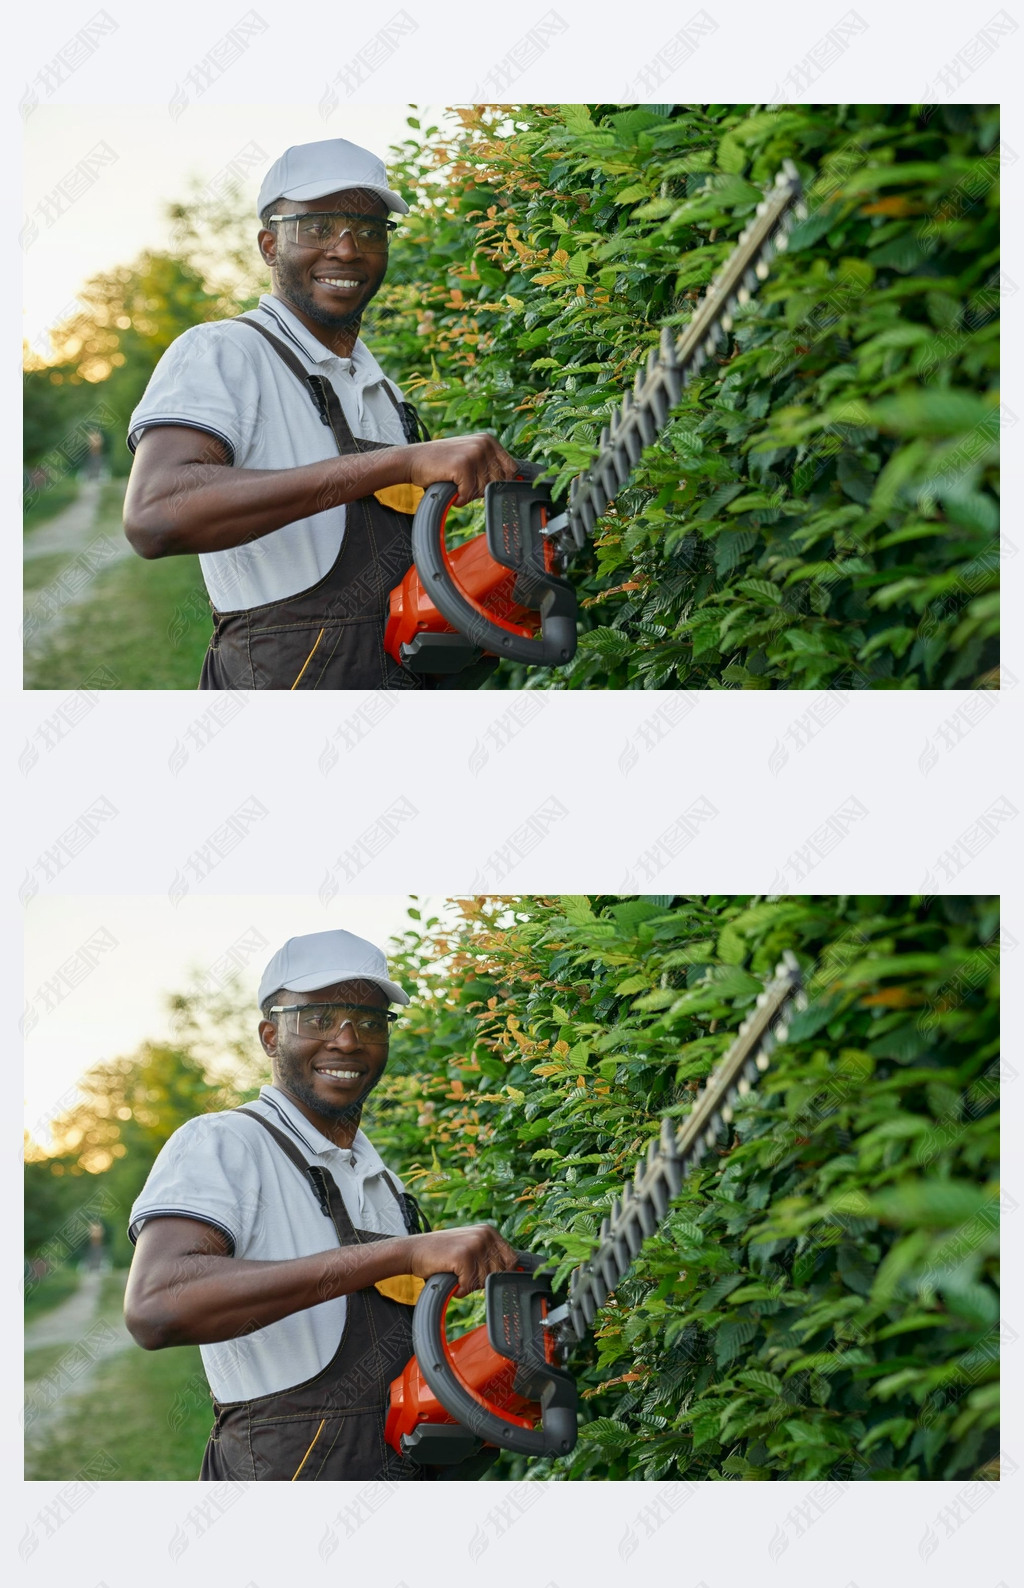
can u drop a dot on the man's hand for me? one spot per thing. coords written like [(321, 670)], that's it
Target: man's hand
[(470, 1253), (470, 461)]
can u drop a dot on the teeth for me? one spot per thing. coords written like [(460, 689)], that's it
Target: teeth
[(336, 281), (342, 1075)]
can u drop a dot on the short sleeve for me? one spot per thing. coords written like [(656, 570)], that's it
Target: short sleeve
[(204, 1171), (206, 379)]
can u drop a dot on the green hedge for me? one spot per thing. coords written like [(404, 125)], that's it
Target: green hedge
[(822, 511), (821, 1302)]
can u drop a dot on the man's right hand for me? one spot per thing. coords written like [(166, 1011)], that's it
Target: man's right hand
[(472, 462), (471, 1253)]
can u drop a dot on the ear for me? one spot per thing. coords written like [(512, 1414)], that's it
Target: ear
[(267, 242), (268, 1037)]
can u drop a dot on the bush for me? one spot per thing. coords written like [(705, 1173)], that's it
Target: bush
[(822, 510), (821, 1301)]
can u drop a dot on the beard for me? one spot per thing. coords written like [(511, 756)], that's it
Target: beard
[(293, 1079), (292, 286)]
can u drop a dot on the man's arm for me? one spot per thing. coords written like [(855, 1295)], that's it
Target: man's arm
[(183, 496), (184, 1289)]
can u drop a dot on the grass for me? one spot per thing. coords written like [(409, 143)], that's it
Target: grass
[(50, 1292), (147, 1414), (51, 501), (145, 623)]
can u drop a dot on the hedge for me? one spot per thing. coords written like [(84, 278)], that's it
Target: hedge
[(822, 511), (821, 1302)]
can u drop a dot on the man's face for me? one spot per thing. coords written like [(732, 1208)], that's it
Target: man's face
[(333, 286), (332, 1077)]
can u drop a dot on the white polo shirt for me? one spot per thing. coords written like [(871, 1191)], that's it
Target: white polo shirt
[(226, 379), (230, 1172)]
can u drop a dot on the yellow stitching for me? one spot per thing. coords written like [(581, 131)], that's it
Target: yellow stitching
[(316, 1436), (309, 658)]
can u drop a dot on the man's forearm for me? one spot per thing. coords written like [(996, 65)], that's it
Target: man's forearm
[(198, 1299), (201, 507)]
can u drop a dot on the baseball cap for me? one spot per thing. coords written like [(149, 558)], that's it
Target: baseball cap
[(309, 170), (322, 958)]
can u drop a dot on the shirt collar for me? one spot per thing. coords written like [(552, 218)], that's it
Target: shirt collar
[(362, 359), (366, 1155)]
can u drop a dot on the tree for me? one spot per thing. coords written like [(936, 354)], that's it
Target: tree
[(822, 1300), (823, 509)]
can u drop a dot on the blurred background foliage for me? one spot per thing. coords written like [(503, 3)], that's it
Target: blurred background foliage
[(821, 1302), (822, 510)]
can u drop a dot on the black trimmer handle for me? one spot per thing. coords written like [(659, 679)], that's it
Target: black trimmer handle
[(511, 505), (507, 1294)]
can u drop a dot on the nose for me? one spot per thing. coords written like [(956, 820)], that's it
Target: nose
[(344, 247), (346, 1038)]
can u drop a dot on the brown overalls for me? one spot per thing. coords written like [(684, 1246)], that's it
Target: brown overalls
[(332, 1425), (330, 636)]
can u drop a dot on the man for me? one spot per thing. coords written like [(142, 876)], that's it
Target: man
[(274, 1238), (274, 447)]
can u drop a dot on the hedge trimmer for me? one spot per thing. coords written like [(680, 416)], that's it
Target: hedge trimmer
[(504, 593), (496, 1384)]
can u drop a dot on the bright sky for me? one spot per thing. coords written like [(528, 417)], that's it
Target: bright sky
[(119, 212), (142, 948)]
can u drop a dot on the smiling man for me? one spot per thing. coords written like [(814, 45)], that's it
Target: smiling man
[(274, 1238), (274, 446)]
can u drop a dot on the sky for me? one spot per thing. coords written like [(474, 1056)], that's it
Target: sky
[(97, 969), (147, 159)]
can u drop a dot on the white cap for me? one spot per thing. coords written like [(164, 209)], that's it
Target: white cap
[(323, 958), (311, 170)]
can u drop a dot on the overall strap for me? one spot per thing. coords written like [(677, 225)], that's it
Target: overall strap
[(413, 427), (325, 398), (325, 1187), (412, 1214)]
